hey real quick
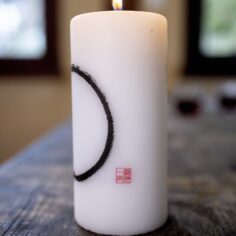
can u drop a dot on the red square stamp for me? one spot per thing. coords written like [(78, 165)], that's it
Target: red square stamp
[(123, 175)]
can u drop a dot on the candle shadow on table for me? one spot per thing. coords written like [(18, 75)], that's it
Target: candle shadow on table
[(171, 227)]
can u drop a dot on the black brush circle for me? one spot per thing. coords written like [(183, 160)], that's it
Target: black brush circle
[(110, 133)]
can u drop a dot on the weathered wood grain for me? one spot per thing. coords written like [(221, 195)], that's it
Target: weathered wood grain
[(36, 192)]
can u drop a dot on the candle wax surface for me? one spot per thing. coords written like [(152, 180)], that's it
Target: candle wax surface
[(125, 54)]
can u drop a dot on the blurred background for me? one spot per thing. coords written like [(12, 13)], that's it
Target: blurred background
[(35, 62)]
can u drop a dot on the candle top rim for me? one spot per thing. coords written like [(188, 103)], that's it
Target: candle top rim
[(119, 12)]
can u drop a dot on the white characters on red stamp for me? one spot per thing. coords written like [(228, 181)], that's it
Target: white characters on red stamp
[(123, 175)]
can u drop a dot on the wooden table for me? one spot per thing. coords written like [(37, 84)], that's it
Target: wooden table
[(36, 186)]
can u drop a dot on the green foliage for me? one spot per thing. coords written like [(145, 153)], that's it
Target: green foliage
[(218, 28), (219, 15)]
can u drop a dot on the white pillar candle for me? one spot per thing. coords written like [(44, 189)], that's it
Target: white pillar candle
[(119, 121)]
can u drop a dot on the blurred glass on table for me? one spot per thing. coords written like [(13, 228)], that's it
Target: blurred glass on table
[(227, 98), (189, 100)]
